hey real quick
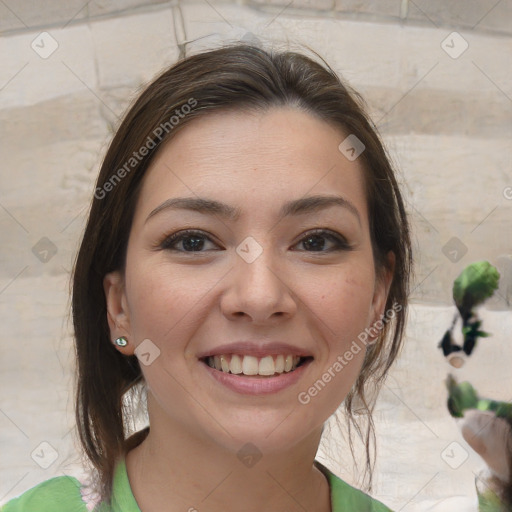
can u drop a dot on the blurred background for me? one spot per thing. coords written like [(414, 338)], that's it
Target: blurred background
[(437, 78)]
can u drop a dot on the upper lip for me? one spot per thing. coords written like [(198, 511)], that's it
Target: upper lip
[(256, 349)]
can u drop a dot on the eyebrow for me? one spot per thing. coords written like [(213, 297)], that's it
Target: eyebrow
[(301, 206)]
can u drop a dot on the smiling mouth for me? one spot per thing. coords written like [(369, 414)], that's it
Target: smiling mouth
[(268, 366)]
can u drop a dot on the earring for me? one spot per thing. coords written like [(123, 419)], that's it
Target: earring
[(121, 342)]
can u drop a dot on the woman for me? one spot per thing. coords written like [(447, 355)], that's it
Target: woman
[(246, 262)]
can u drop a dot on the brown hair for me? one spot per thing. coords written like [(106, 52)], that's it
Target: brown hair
[(239, 77)]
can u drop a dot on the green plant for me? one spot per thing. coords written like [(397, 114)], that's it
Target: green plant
[(475, 284), (486, 423)]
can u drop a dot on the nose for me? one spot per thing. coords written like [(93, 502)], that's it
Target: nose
[(258, 291)]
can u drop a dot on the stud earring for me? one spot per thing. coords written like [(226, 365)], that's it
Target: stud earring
[(121, 341)]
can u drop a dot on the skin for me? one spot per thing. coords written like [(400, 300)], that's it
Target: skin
[(491, 438), (188, 302)]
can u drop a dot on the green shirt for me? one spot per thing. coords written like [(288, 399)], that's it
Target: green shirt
[(63, 494)]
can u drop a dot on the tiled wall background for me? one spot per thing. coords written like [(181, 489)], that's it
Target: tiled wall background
[(437, 77)]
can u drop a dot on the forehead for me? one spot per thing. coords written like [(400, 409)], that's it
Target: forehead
[(253, 158)]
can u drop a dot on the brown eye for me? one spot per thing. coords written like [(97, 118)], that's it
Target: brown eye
[(192, 241), (318, 239)]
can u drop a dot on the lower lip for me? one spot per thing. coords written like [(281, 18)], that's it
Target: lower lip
[(247, 385)]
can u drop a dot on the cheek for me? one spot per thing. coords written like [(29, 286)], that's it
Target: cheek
[(161, 301), (342, 311), (344, 303)]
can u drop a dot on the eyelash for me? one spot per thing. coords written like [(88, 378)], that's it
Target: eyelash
[(172, 240)]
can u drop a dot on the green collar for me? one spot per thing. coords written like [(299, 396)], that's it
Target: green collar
[(122, 496), (343, 495)]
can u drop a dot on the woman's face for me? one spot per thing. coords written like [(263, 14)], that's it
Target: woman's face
[(266, 277)]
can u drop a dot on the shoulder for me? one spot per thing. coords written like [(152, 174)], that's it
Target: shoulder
[(58, 494), (345, 497)]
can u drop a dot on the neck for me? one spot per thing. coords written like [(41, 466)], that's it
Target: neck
[(175, 470)]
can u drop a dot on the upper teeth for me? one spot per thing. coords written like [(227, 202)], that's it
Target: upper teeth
[(250, 365)]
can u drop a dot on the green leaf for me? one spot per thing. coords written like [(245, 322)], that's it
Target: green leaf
[(460, 397), (476, 283), (488, 501), (504, 410)]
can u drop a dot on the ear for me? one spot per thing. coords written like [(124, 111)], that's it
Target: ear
[(117, 310), (382, 285)]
